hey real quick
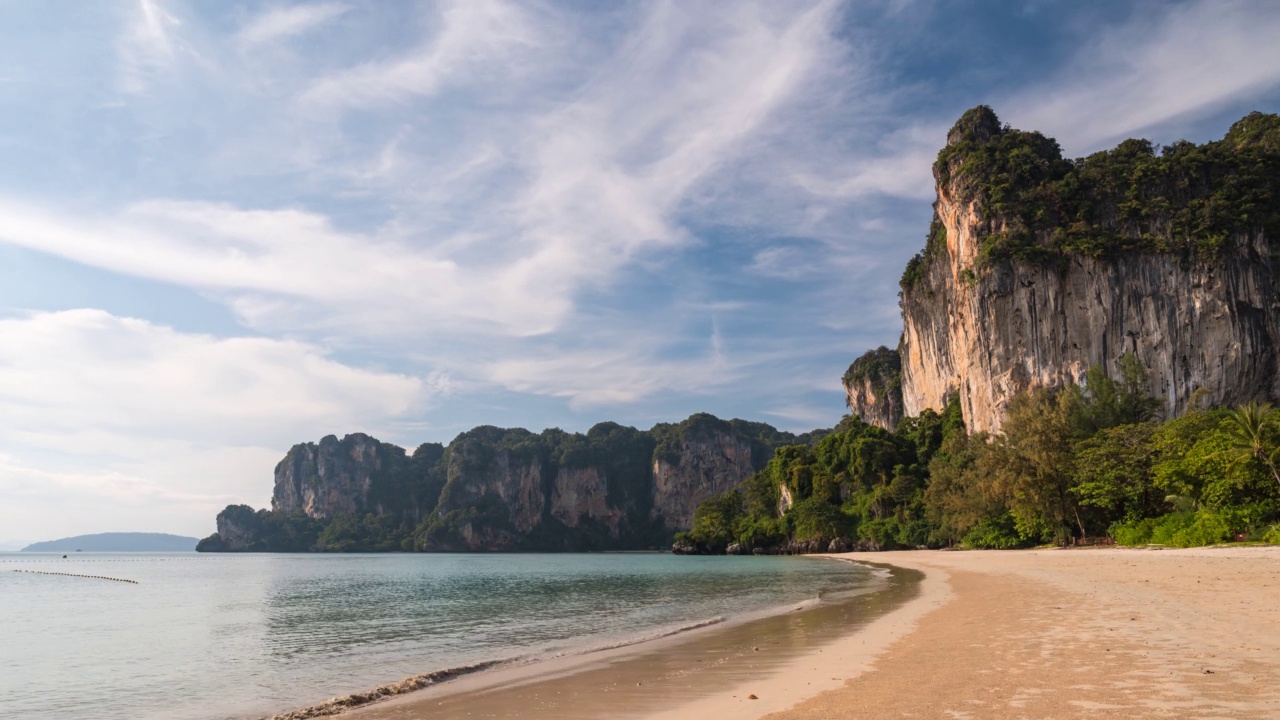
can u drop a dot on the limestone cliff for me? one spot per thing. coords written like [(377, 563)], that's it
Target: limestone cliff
[(236, 528), (873, 388), (496, 489), (1038, 268), (705, 464), (330, 478), (582, 494)]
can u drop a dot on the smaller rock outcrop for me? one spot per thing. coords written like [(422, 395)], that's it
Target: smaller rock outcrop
[(873, 387)]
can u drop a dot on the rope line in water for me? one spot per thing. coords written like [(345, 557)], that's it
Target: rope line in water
[(82, 558), (92, 577)]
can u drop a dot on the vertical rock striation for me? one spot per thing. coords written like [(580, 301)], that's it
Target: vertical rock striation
[(705, 464), (1038, 268), (330, 478)]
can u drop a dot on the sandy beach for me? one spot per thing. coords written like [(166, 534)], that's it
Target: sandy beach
[(1093, 633), (1101, 633)]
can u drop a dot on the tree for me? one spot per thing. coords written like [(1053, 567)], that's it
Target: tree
[(714, 521), (1114, 474), (1253, 435), (1034, 459)]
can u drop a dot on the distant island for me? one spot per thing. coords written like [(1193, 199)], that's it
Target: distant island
[(117, 542)]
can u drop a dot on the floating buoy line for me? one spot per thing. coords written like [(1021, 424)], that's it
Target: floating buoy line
[(92, 577), (70, 557)]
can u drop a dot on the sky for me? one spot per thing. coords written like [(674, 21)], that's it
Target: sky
[(226, 228)]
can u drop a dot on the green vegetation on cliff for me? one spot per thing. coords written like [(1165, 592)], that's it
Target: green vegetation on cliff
[(1075, 462), (491, 488), (881, 367), (1191, 200)]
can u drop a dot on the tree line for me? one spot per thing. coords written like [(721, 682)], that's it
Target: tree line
[(1073, 463)]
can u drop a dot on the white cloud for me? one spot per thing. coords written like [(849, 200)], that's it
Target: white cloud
[(610, 377), (286, 22), (503, 231), (86, 375), (476, 37), (1179, 61), (123, 414)]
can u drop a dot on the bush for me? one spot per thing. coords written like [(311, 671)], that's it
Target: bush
[(1183, 529), (996, 533), (1272, 535), (1134, 532)]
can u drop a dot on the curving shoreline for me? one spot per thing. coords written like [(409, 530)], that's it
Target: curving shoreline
[(606, 665), (670, 676), (1091, 633)]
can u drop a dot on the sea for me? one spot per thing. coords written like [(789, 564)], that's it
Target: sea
[(186, 636)]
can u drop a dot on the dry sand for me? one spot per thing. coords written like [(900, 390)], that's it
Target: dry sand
[(1095, 633), (1106, 633)]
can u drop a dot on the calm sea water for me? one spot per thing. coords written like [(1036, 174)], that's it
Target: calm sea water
[(240, 636)]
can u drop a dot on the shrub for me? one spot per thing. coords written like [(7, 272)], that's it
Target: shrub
[(1272, 535), (996, 533)]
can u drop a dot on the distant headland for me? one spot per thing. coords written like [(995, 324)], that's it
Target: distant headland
[(117, 542)]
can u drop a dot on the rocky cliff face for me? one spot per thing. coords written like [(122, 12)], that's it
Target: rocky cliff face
[(580, 494), (236, 529), (330, 478), (873, 388), (985, 324), (706, 464), (497, 489)]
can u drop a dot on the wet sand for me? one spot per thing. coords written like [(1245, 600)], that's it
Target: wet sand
[(673, 676), (1093, 633)]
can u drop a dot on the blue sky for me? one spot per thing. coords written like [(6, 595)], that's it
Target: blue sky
[(229, 227)]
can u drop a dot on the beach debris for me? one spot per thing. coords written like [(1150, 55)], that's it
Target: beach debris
[(752, 697), (382, 692), (1207, 671)]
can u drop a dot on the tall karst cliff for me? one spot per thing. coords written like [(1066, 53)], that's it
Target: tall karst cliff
[(1037, 268), (497, 489)]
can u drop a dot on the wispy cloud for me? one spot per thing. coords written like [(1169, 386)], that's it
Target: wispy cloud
[(146, 48), (285, 22), (476, 37), (1181, 60)]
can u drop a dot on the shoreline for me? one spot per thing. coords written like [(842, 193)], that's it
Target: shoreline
[(1088, 633), (669, 673)]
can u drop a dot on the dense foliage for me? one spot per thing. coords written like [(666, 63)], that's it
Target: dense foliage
[(1073, 463), (881, 367), (1192, 200)]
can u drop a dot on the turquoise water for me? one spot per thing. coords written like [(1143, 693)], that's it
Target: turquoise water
[(241, 636)]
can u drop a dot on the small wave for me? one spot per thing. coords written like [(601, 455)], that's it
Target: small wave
[(664, 633), (382, 692)]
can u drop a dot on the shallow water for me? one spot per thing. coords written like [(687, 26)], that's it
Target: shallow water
[(235, 636)]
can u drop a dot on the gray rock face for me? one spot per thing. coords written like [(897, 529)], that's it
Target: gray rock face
[(583, 493), (236, 529), (989, 331), (330, 478), (873, 388), (707, 465)]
